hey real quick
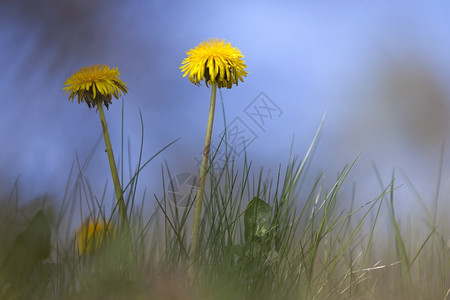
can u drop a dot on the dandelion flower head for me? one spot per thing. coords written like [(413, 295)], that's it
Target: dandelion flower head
[(95, 83), (92, 235), (214, 61)]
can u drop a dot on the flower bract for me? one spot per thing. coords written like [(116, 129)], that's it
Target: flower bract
[(92, 235), (95, 83), (214, 61)]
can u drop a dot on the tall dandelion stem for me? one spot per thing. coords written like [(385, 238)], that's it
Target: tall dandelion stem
[(201, 183), (96, 85), (220, 65), (112, 165)]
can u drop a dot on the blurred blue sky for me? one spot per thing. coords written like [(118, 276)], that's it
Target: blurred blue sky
[(380, 70)]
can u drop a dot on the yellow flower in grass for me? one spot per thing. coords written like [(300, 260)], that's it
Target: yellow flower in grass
[(95, 83), (93, 235), (214, 61), (220, 65)]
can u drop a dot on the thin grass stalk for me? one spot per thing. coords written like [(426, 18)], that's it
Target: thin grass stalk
[(399, 243)]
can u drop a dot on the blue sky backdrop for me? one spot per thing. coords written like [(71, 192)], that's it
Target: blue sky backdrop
[(380, 70)]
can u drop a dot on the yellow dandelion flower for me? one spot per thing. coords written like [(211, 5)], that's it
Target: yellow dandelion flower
[(215, 61), (92, 235), (95, 83), (220, 65)]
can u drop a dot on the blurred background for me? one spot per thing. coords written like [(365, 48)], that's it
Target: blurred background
[(380, 71)]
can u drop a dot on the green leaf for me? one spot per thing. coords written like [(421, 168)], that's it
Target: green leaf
[(257, 219), (238, 249), (30, 248)]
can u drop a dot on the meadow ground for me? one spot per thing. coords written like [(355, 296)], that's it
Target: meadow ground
[(260, 238)]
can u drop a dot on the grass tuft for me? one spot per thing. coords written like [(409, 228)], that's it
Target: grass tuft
[(261, 236)]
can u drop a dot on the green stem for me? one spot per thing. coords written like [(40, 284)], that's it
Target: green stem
[(199, 198), (112, 165)]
